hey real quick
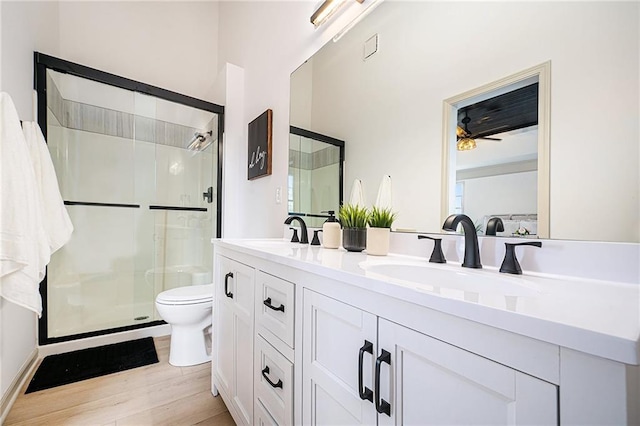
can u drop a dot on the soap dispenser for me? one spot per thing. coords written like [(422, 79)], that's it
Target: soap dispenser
[(331, 231)]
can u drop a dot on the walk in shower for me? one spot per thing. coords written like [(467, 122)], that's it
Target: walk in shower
[(139, 172)]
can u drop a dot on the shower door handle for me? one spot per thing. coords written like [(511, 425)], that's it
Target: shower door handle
[(226, 285), (208, 196)]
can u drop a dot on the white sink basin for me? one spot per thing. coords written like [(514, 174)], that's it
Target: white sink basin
[(436, 278)]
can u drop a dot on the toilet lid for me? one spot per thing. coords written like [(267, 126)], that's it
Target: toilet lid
[(187, 294)]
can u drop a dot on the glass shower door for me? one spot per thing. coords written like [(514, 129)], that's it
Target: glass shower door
[(134, 193), (90, 135), (182, 207)]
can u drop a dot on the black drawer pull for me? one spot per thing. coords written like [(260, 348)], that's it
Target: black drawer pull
[(365, 393), (226, 285), (382, 406), (268, 304), (265, 371)]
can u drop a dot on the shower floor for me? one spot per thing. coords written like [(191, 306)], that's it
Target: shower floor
[(87, 318)]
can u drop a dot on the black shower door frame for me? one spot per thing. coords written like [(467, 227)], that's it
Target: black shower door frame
[(42, 63)]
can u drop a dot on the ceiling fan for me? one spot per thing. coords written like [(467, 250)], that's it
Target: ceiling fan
[(466, 140)]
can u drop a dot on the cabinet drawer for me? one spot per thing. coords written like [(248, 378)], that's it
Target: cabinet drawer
[(262, 416), (274, 382), (275, 306)]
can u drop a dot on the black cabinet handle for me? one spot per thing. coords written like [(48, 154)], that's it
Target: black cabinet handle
[(226, 285), (268, 304), (365, 393), (265, 371), (382, 406)]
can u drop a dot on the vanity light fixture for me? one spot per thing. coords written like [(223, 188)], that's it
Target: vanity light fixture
[(326, 9), (372, 5)]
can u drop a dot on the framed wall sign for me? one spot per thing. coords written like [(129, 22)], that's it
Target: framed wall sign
[(260, 130)]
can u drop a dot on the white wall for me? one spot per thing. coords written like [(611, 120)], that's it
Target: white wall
[(25, 27), (517, 194), (169, 44)]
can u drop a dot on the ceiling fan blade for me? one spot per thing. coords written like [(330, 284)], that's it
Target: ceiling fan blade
[(491, 139)]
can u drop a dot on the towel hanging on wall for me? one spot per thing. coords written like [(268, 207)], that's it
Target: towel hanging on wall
[(23, 242), (357, 194), (385, 197), (55, 220)]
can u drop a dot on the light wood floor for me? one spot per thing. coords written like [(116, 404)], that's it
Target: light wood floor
[(157, 394)]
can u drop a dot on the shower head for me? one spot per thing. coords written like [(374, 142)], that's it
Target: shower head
[(200, 141)]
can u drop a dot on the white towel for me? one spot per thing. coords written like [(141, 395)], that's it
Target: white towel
[(357, 194), (385, 197), (55, 220), (23, 242)]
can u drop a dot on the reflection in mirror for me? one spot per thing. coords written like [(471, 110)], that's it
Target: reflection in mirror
[(315, 175), (494, 169), (387, 103), (497, 161)]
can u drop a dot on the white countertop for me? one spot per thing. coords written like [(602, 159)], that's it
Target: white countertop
[(596, 317)]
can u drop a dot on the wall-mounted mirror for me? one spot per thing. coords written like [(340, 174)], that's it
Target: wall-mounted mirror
[(495, 161), (381, 87), (315, 179)]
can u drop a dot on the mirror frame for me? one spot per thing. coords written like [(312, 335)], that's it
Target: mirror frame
[(331, 141), (449, 122)]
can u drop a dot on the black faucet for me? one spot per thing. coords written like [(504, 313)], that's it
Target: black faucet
[(471, 250), (494, 225), (304, 239)]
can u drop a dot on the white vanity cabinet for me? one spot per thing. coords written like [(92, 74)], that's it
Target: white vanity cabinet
[(233, 319), (303, 335), (362, 369)]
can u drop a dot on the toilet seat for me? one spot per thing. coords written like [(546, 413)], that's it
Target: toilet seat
[(188, 295)]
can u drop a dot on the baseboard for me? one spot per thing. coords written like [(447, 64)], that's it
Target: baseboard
[(16, 385), (106, 339)]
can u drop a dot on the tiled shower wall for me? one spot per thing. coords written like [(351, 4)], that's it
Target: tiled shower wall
[(95, 119), (316, 179)]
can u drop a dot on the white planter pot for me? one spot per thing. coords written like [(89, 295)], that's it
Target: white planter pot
[(378, 241)]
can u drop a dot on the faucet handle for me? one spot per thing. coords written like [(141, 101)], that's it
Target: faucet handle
[(510, 264), (316, 241), (294, 238), (437, 256)]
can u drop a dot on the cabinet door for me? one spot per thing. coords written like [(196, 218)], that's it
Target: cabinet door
[(431, 382), (333, 334), (233, 325)]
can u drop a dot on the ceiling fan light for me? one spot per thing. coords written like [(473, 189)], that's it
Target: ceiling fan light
[(466, 144)]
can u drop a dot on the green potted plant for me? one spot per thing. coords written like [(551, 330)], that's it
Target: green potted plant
[(378, 234), (353, 219)]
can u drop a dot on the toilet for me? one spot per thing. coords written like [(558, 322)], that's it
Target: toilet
[(188, 311)]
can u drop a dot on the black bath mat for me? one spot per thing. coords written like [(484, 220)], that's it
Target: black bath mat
[(70, 367)]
